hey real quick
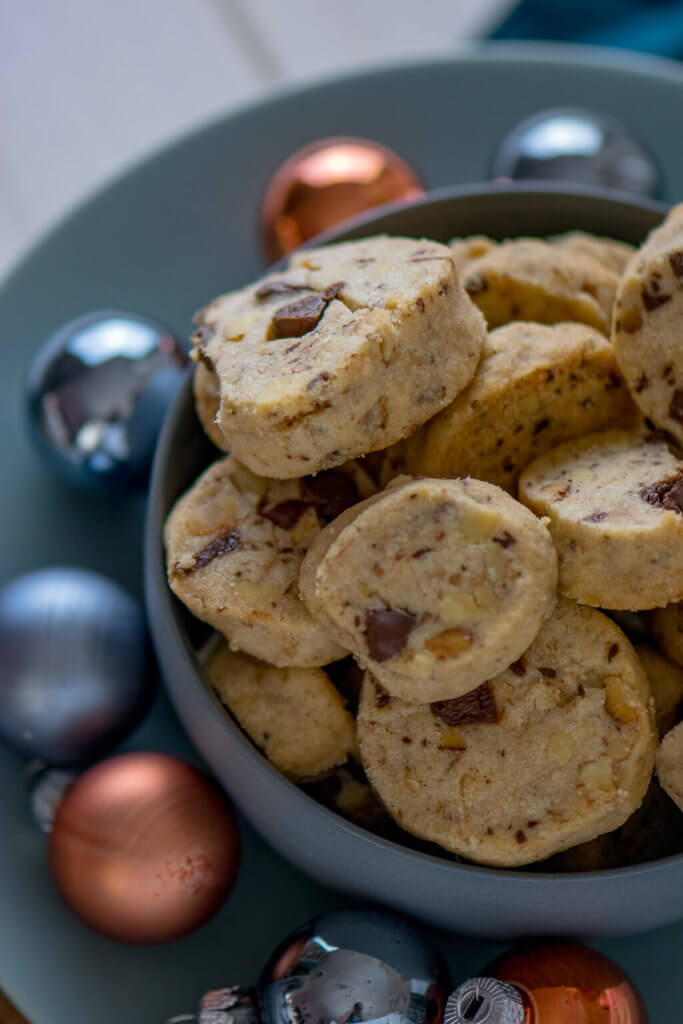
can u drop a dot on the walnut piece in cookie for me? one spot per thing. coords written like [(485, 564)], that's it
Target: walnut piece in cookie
[(434, 585), (615, 505), (535, 387), (234, 545), (294, 715), (647, 325), (561, 751), (348, 349), (529, 279)]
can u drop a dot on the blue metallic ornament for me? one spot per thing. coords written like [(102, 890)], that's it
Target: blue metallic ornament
[(76, 672), (96, 395), (576, 146)]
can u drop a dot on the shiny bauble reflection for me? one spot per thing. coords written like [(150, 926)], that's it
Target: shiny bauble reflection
[(144, 848), (355, 965), (552, 983), (96, 395), (578, 146), (76, 669), (325, 183)]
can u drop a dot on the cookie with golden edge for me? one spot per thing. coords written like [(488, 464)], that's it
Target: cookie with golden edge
[(611, 254), (552, 752), (434, 585), (666, 684), (647, 325), (234, 545), (614, 501), (536, 386), (529, 279), (670, 764), (348, 349), (294, 715), (666, 625)]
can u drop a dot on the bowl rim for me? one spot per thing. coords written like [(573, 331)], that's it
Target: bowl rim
[(156, 586)]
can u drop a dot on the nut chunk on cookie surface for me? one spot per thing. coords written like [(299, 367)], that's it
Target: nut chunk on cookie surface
[(295, 715), (434, 585), (348, 349), (552, 752), (234, 545), (647, 335), (615, 504)]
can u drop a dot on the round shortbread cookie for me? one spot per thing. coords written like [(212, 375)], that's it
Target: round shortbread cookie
[(615, 504), (528, 279), (435, 585), (347, 350), (655, 830), (554, 751), (206, 401), (647, 325), (611, 254), (464, 250), (666, 625), (234, 545), (535, 387), (670, 764), (294, 715), (666, 685)]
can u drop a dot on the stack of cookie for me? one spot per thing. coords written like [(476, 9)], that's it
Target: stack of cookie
[(440, 468)]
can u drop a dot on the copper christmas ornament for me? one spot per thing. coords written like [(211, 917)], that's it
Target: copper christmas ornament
[(144, 848), (554, 983), (327, 182)]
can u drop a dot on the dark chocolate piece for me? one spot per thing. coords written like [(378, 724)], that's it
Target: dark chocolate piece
[(387, 631), (476, 706), (298, 318), (666, 494), (286, 514), (220, 546), (332, 492)]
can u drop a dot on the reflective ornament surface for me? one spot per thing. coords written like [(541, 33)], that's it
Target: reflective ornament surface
[(77, 672), (48, 786), (325, 183), (578, 146), (553, 983), (144, 848), (364, 964), (96, 395)]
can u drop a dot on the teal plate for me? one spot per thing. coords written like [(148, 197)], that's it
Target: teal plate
[(161, 240)]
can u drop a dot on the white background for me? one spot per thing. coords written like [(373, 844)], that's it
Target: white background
[(87, 86)]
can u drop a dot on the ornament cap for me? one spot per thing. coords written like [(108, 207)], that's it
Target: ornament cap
[(484, 1001)]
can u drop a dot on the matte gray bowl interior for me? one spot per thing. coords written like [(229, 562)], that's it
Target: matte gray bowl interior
[(459, 897)]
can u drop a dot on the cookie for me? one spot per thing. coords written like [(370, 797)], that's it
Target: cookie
[(206, 401), (647, 325), (670, 764), (611, 254), (294, 715), (347, 350), (435, 585), (552, 752), (615, 504), (234, 546), (464, 250), (655, 830), (666, 686), (666, 625), (535, 387), (528, 279)]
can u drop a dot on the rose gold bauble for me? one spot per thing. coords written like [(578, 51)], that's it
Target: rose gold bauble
[(564, 983), (328, 181), (144, 848)]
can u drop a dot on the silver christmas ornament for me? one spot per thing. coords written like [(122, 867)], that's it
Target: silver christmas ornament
[(347, 966), (75, 665), (96, 395), (484, 1001), (47, 787), (578, 146)]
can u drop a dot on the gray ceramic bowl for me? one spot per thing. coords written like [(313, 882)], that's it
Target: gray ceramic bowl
[(459, 897)]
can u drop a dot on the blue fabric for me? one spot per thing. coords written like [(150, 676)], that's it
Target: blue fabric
[(650, 26)]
